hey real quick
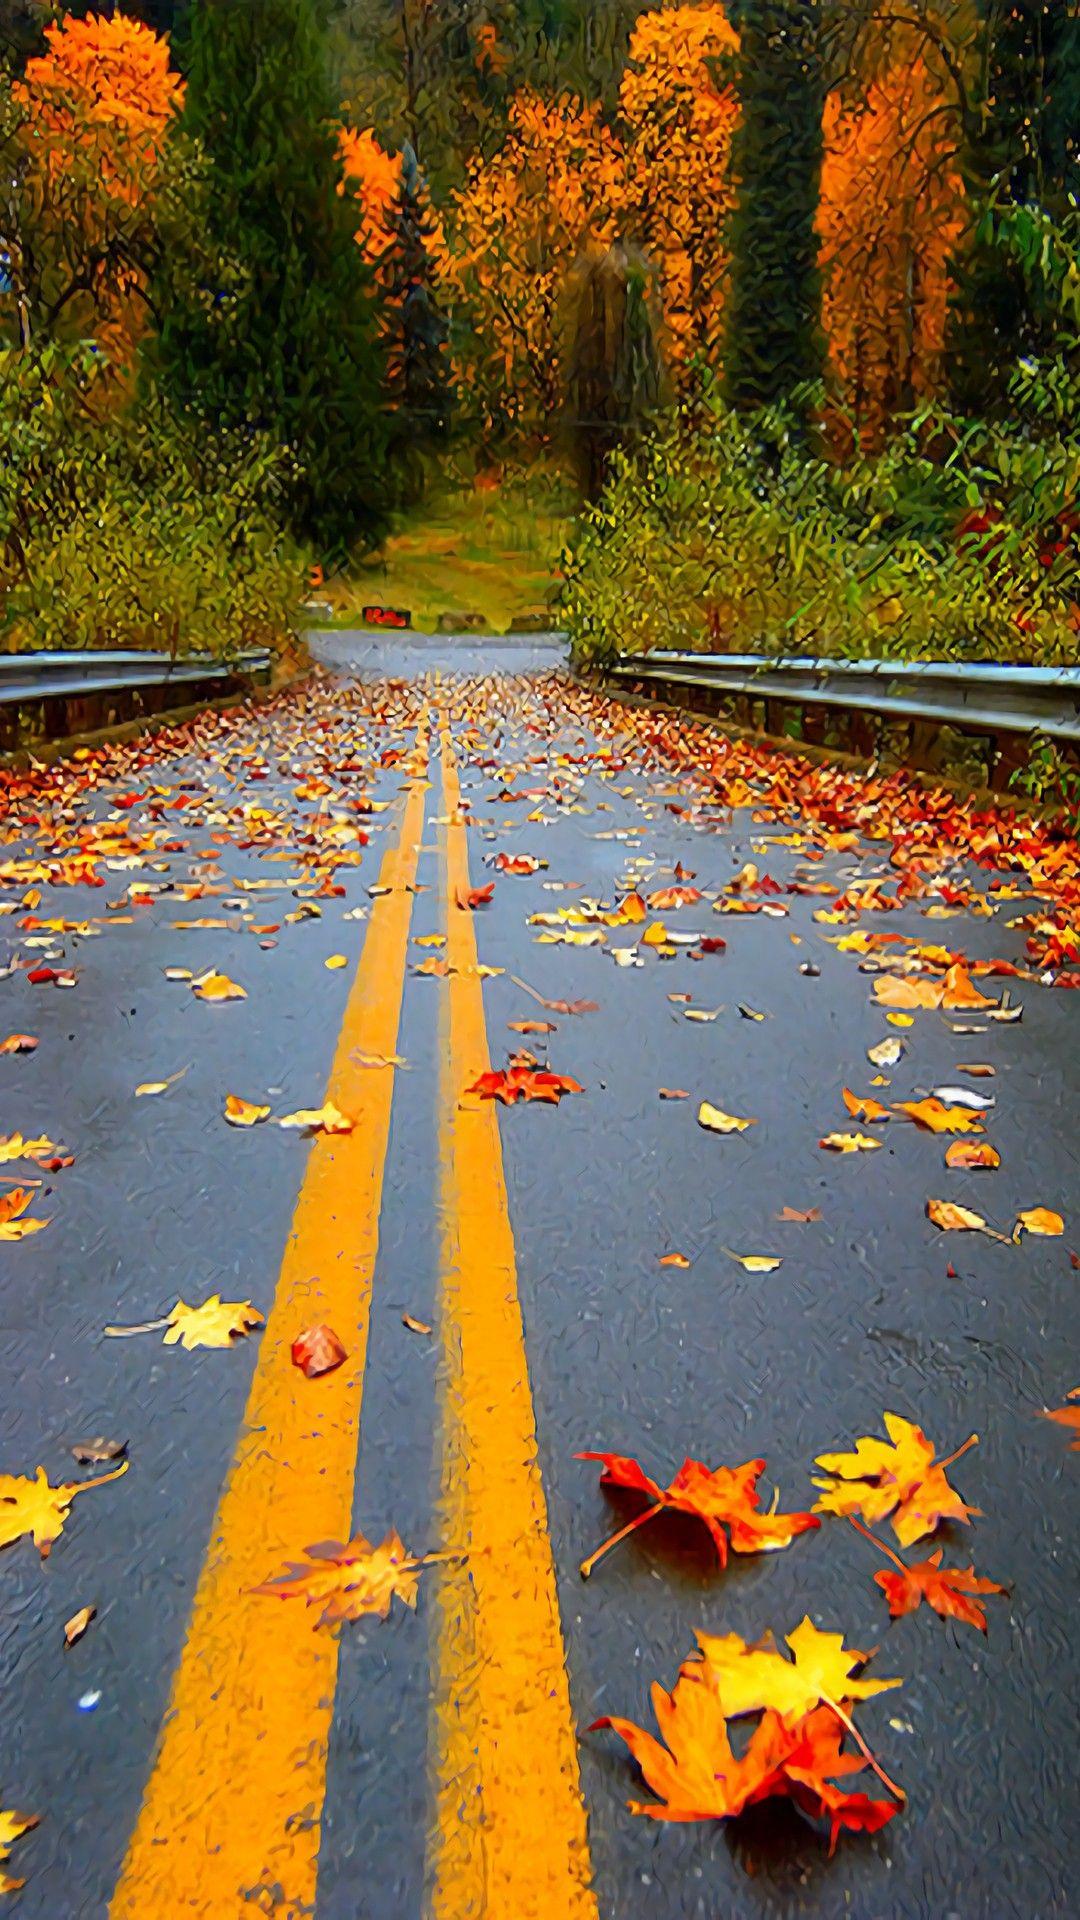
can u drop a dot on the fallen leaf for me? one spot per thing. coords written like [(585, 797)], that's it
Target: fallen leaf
[(674, 1260), (748, 1679), (749, 1013), (722, 1497), (349, 1581), (244, 1113), (325, 1119), (869, 1111), (897, 991), (159, 1086), (317, 1351), (532, 1026), (971, 1154), (217, 1323), (18, 1043), (793, 1213), (13, 1206), (900, 1019), (898, 1477), (848, 1143), (674, 1093), (510, 1084), (519, 863), (12, 1828), (934, 1117), (217, 986), (477, 897), (716, 1121), (77, 1625), (953, 1219), (697, 1775), (335, 962), (755, 1262), (1040, 1220), (36, 1508), (950, 1590), (414, 1325)]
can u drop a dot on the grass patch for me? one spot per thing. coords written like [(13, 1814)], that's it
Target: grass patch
[(490, 550)]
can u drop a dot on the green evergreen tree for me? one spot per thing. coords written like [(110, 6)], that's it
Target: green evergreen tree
[(774, 335), (287, 343), (418, 380), (1022, 152)]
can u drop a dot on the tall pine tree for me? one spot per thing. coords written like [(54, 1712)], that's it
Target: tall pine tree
[(1022, 151), (288, 344), (774, 336), (418, 379)]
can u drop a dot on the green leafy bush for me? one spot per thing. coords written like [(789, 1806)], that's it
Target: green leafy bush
[(727, 532), (128, 528)]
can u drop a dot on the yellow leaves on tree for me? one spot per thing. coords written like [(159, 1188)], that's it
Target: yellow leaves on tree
[(890, 215), (680, 107), (99, 104)]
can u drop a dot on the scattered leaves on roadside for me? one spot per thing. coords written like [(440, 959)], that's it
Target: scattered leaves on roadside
[(351, 1580), (863, 1108), (217, 987), (749, 1679), (936, 1118), (13, 1207)]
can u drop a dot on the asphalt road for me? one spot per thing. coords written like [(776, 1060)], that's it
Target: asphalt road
[(206, 1750)]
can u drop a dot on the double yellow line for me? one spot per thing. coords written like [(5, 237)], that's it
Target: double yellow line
[(231, 1819)]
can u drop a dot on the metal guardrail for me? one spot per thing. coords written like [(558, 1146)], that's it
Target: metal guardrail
[(28, 677), (986, 699)]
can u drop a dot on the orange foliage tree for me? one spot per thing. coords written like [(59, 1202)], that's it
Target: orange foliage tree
[(891, 214), (679, 104), (96, 108), (512, 234)]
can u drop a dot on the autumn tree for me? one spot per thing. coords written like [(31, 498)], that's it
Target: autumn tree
[(287, 344), (773, 339), (680, 108), (100, 188), (891, 214), (1023, 152), (615, 378), (512, 234)]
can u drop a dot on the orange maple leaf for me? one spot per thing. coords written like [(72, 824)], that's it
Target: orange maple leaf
[(509, 1084), (722, 1497)]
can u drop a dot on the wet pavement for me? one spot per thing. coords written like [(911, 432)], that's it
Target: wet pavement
[(205, 1749)]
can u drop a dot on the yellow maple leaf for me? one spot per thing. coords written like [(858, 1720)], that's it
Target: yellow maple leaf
[(12, 1828), (748, 1678), (899, 1477), (936, 1117), (33, 1506), (350, 1581), (217, 1323)]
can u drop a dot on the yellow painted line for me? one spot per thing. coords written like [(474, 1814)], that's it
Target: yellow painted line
[(230, 1821), (509, 1838)]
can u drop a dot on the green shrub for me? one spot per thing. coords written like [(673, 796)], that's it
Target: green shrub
[(727, 532)]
